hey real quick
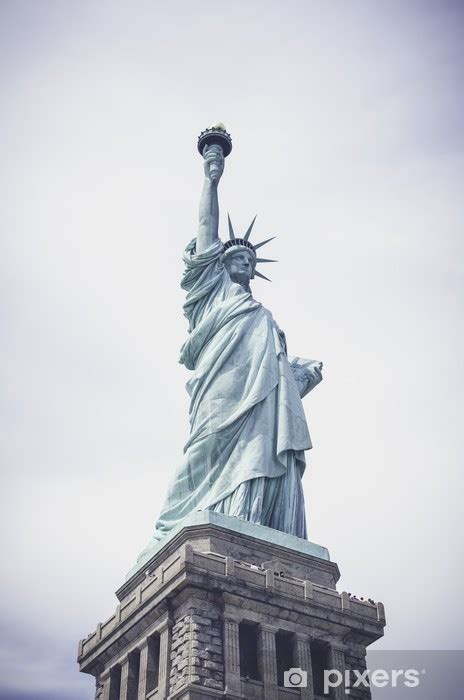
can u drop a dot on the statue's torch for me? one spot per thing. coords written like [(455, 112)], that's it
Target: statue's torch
[(217, 136)]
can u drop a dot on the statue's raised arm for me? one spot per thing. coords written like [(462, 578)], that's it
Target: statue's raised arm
[(209, 206)]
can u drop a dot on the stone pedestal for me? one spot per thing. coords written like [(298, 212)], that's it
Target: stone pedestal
[(227, 609)]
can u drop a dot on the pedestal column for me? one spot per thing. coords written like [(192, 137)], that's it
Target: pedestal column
[(129, 677), (148, 668), (303, 661), (233, 683), (337, 662), (164, 659), (111, 681), (268, 661), (105, 680)]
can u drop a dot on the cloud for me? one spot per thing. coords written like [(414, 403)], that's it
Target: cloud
[(39, 667)]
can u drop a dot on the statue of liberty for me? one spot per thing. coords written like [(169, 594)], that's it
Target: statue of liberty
[(245, 454)]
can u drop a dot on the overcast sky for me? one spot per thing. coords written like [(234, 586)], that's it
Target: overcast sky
[(346, 120)]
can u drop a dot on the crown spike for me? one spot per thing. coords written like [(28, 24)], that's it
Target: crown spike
[(259, 274), (231, 230), (258, 245), (247, 235), (260, 260)]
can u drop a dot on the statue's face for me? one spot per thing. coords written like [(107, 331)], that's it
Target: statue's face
[(240, 266)]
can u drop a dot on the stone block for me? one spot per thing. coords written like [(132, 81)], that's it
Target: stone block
[(213, 665), (201, 620)]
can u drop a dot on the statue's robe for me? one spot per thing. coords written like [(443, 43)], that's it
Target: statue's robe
[(245, 454)]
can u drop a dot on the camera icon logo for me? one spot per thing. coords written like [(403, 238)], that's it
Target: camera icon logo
[(295, 678)]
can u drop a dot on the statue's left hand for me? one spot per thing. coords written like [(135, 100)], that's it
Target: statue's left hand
[(307, 373)]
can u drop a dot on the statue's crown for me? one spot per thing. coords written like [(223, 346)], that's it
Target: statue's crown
[(233, 243)]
